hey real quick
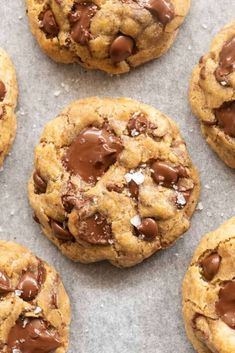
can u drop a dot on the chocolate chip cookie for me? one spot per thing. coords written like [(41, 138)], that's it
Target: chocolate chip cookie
[(8, 98), (110, 35), (112, 181), (34, 307), (212, 94), (209, 292)]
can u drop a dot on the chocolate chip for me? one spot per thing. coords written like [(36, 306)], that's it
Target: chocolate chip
[(61, 231), (226, 62), (39, 184), (70, 198), (121, 48), (31, 335), (2, 91), (113, 187), (162, 9), (95, 230), (210, 266), (148, 228), (164, 174), (5, 286), (225, 306), (80, 18), (92, 153), (137, 124), (133, 189), (48, 23), (29, 286), (225, 116)]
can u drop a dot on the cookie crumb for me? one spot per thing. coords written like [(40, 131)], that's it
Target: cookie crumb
[(57, 93)]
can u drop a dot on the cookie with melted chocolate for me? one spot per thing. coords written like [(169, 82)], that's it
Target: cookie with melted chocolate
[(110, 36), (212, 92), (209, 292), (30, 322), (102, 190), (8, 100)]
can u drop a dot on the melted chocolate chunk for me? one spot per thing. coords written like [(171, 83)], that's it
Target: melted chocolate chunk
[(210, 266), (48, 23), (95, 230), (133, 189), (29, 286), (80, 18), (225, 116), (162, 9), (31, 335), (121, 48), (92, 153), (225, 306), (137, 124), (71, 198), (148, 228), (164, 174), (39, 184), (61, 231), (226, 62), (5, 286), (2, 91)]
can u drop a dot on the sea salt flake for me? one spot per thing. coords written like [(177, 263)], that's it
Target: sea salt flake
[(223, 83), (180, 199), (137, 177), (37, 310), (136, 221), (18, 292)]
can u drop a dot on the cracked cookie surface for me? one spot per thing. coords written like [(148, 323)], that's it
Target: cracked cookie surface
[(112, 181), (209, 292), (8, 100), (34, 307), (212, 94), (109, 35)]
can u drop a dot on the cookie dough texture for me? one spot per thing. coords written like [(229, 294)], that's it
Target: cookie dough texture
[(8, 100), (34, 307), (208, 292), (110, 35), (212, 94), (119, 197)]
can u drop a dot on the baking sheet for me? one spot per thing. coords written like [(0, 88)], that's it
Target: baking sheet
[(115, 311)]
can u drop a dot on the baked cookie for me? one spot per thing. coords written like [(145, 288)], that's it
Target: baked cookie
[(110, 35), (8, 100), (209, 292), (112, 181), (212, 94), (34, 307)]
